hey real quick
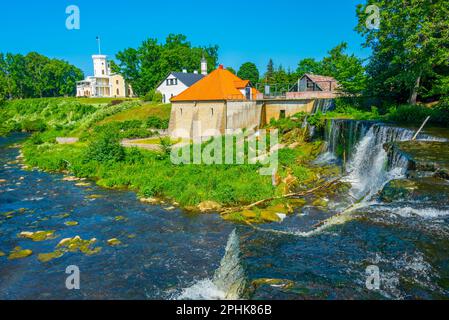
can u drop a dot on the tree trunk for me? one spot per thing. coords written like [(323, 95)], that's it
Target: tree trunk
[(414, 94)]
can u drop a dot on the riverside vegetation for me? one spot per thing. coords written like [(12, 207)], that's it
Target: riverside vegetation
[(101, 124)]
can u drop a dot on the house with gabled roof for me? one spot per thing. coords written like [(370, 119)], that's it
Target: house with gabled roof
[(314, 86), (177, 82), (219, 102)]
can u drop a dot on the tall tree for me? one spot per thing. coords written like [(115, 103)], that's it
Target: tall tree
[(410, 47), (309, 65), (249, 71), (147, 65)]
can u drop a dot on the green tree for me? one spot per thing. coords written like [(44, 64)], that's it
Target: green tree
[(309, 65), (249, 71), (150, 63), (230, 69), (410, 48)]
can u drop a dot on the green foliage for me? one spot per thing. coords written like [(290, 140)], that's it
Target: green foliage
[(105, 148), (249, 71), (416, 114), (410, 49), (347, 69), (144, 67), (230, 69), (154, 122), (35, 75)]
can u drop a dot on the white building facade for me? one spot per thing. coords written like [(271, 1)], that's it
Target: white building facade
[(103, 84), (177, 82)]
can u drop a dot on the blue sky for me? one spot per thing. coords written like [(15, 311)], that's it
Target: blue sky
[(285, 30)]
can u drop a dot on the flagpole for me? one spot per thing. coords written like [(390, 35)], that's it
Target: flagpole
[(99, 45)]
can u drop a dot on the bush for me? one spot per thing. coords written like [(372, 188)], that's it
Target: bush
[(157, 123), (105, 148), (37, 125)]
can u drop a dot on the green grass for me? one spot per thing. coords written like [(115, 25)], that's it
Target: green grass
[(141, 112)]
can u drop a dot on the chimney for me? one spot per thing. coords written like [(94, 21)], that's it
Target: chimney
[(195, 71), (220, 67), (184, 70)]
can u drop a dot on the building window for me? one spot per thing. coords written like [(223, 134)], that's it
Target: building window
[(212, 112), (282, 114), (118, 92), (116, 81), (180, 111), (102, 71)]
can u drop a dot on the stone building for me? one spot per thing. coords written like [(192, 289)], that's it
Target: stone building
[(219, 102)]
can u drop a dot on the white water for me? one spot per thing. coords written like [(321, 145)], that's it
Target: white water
[(228, 282)]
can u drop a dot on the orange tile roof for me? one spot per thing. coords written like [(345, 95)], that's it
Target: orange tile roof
[(221, 84)]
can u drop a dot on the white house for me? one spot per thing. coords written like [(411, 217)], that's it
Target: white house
[(103, 83), (177, 82)]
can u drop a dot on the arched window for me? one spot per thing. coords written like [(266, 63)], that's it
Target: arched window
[(118, 92)]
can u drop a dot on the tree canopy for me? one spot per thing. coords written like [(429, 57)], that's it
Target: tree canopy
[(410, 50), (249, 71), (35, 75), (147, 65), (347, 69)]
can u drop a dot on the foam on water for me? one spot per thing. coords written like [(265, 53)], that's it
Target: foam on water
[(229, 279)]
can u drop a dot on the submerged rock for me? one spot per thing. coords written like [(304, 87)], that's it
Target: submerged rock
[(3, 181), (150, 200), (71, 178), (46, 257), (114, 242), (71, 223), (95, 196), (38, 236), (19, 253), (2, 254), (119, 218), (83, 184), (76, 244), (208, 206)]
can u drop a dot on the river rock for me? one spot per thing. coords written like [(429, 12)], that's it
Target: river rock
[(3, 181), (19, 253), (114, 242), (71, 223), (37, 236), (208, 206), (150, 200), (70, 178)]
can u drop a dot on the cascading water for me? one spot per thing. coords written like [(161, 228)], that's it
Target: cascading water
[(229, 279), (361, 146), (323, 105)]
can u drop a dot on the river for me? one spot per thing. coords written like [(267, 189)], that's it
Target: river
[(174, 255)]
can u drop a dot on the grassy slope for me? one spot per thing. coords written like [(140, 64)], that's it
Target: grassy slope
[(142, 112)]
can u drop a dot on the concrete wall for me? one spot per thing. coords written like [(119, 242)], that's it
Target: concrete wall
[(191, 119), (243, 114), (272, 109), (312, 95)]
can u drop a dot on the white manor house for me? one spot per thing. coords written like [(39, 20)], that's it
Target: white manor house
[(103, 83)]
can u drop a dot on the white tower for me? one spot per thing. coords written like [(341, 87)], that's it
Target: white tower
[(204, 66), (100, 65)]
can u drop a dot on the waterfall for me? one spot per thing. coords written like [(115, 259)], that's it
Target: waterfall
[(228, 281), (323, 105), (361, 146)]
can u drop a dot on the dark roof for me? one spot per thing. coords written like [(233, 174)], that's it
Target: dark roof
[(188, 79)]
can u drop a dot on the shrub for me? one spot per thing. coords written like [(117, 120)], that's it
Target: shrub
[(105, 148), (37, 125), (157, 123)]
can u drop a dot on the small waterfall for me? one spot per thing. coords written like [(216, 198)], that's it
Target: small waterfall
[(323, 105), (229, 279), (360, 144)]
